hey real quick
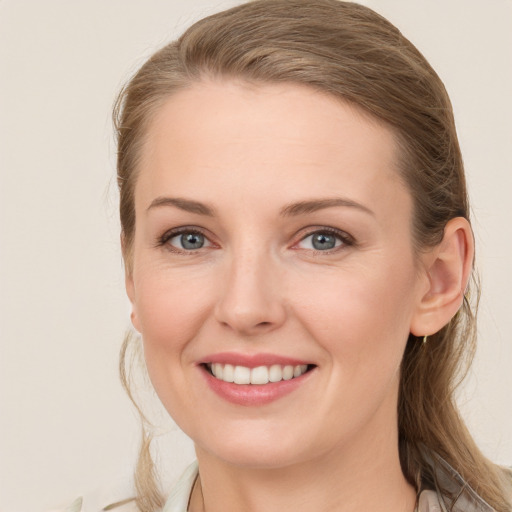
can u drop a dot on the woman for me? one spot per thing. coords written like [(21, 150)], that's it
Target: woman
[(295, 229)]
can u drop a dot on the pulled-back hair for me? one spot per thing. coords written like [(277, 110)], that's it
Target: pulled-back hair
[(350, 52)]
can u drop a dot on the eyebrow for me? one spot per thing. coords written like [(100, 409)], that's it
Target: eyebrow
[(304, 207), (187, 205), (290, 210)]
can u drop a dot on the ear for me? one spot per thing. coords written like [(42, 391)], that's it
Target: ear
[(448, 267), (129, 283)]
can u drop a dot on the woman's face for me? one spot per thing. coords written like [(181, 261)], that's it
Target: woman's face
[(273, 238)]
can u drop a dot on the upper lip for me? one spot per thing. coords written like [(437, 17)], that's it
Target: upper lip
[(252, 360)]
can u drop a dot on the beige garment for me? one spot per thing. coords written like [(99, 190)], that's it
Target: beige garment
[(453, 493)]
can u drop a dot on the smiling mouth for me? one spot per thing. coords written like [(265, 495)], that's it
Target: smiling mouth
[(259, 375)]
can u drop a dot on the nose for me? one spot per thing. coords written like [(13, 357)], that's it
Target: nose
[(251, 299)]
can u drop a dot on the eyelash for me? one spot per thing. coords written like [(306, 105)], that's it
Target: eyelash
[(346, 239)]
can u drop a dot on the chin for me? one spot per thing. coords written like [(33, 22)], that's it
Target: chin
[(258, 459), (257, 451)]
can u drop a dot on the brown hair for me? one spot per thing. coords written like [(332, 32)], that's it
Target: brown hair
[(351, 53)]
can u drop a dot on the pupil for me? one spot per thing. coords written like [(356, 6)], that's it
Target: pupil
[(192, 241), (322, 241)]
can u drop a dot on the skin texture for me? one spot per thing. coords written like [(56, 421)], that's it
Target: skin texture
[(259, 286)]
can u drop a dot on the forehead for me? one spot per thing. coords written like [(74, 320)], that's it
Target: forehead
[(260, 137)]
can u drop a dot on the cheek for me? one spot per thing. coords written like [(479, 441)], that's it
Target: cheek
[(171, 309), (358, 312)]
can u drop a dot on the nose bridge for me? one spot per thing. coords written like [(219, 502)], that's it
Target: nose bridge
[(250, 301)]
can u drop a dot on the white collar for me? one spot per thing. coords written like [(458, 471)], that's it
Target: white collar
[(180, 494)]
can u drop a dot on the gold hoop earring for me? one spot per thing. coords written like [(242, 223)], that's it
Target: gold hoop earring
[(424, 342)]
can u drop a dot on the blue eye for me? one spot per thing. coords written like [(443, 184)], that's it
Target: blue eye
[(188, 241), (322, 241)]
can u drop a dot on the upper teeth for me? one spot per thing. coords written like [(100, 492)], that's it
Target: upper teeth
[(258, 375)]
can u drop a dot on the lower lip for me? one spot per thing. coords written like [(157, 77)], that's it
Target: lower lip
[(253, 394)]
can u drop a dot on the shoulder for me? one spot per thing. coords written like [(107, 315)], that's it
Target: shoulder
[(84, 505), (429, 502), (447, 490), (120, 498), (118, 495)]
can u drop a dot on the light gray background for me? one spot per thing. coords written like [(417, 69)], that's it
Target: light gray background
[(66, 427)]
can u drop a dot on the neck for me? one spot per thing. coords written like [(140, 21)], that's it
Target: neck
[(342, 480)]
